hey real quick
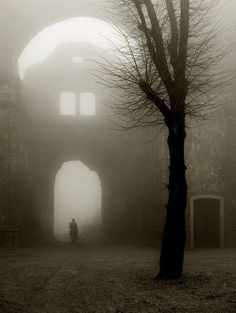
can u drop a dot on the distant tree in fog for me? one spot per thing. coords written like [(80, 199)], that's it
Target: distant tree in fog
[(165, 72)]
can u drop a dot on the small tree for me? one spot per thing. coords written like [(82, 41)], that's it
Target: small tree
[(165, 59)]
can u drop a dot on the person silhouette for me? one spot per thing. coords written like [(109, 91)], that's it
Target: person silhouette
[(73, 231)]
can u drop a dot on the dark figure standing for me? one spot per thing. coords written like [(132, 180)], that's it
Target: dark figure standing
[(73, 231)]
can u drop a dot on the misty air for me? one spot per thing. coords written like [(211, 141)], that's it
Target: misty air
[(117, 156)]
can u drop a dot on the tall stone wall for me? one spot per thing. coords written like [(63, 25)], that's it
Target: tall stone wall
[(9, 150)]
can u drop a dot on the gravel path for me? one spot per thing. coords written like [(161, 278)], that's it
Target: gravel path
[(106, 279)]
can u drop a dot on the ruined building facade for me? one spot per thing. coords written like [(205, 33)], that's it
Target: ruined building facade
[(35, 141)]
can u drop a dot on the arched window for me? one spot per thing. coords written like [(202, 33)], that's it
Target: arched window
[(67, 103), (87, 104)]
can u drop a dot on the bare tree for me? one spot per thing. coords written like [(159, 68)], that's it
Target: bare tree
[(165, 72)]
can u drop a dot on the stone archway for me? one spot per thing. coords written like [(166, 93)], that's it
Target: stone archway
[(78, 195), (38, 15), (37, 203)]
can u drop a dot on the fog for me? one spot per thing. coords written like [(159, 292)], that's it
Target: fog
[(81, 29), (61, 54), (97, 32), (117, 154), (77, 194)]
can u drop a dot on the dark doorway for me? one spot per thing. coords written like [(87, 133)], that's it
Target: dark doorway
[(207, 224)]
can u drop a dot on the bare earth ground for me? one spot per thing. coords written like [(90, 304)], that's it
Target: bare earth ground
[(115, 279)]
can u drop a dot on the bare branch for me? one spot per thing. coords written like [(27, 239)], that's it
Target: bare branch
[(166, 59), (173, 48)]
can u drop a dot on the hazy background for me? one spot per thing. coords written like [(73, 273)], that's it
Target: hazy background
[(77, 195)]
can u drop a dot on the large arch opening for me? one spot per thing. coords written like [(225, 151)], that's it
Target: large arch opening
[(77, 194), (80, 29), (55, 67)]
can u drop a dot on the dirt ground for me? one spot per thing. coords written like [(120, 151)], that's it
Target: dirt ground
[(116, 279)]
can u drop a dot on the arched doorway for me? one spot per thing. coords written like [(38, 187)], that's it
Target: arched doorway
[(77, 194), (207, 221)]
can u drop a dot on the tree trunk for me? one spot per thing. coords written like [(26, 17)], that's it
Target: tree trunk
[(174, 235)]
